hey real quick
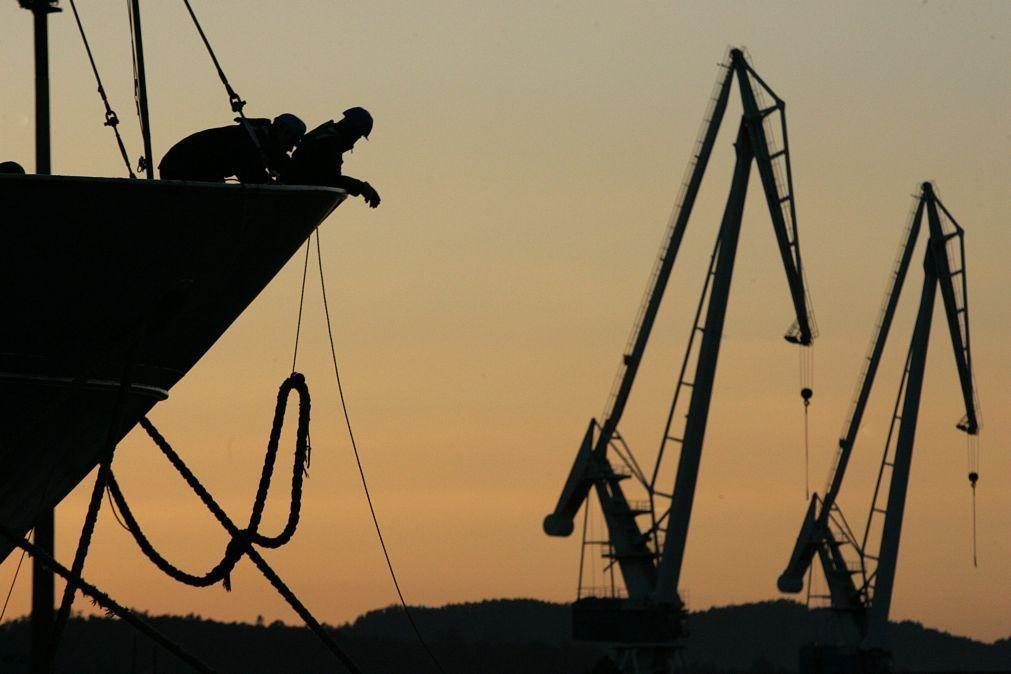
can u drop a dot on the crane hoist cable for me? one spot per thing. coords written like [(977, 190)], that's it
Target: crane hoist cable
[(111, 120), (972, 443), (806, 358)]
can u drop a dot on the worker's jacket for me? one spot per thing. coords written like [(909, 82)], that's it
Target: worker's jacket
[(318, 160), (216, 154)]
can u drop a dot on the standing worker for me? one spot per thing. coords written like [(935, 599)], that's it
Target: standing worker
[(254, 150), (317, 160)]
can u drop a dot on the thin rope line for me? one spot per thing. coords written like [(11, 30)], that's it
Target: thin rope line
[(361, 470), (301, 301), (13, 583)]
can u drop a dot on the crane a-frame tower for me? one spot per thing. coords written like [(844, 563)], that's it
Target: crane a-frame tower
[(860, 588), (646, 625)]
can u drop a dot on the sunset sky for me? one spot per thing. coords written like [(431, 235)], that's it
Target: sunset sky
[(528, 155)]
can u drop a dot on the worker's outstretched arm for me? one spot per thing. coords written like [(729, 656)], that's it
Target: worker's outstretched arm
[(358, 188)]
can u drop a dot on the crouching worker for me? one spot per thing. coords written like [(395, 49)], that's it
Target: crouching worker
[(239, 150), (317, 160)]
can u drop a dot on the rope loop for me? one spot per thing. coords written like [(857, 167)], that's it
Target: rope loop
[(241, 542)]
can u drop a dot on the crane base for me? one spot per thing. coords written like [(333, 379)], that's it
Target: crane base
[(833, 659), (616, 620)]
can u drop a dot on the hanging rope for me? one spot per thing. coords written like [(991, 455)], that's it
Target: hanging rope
[(361, 470), (221, 572), (301, 302), (111, 120), (105, 601)]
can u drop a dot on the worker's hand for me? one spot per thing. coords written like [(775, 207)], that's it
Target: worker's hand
[(370, 195)]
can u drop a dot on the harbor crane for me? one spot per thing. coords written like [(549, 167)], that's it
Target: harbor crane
[(646, 625), (860, 590)]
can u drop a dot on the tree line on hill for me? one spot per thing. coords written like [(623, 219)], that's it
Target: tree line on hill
[(503, 636)]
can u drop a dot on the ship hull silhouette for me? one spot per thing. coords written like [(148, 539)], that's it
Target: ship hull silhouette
[(110, 292)]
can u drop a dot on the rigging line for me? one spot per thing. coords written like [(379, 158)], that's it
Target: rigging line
[(14, 581), (233, 98), (361, 470), (104, 600), (301, 301), (111, 120)]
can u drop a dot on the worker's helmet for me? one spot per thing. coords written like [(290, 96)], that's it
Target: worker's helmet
[(11, 167), (360, 119), (290, 124)]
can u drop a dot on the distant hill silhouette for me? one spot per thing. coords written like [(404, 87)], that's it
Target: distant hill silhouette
[(503, 636)]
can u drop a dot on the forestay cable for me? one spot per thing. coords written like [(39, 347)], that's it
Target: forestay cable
[(111, 120), (233, 98)]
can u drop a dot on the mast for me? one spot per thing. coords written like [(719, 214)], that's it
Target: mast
[(43, 594), (140, 87)]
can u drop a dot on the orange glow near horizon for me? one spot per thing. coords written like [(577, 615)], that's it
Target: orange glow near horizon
[(527, 157)]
